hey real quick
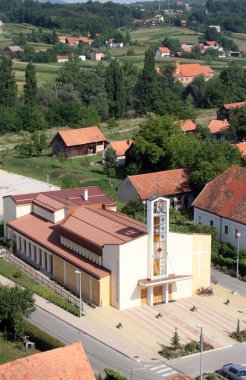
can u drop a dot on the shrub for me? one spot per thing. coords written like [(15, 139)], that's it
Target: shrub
[(42, 340), (191, 346), (113, 375), (17, 274)]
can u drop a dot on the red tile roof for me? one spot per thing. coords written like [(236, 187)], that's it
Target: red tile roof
[(56, 199), (179, 377), (193, 70), (242, 147), (164, 50), (225, 195), (65, 363), (234, 105), (168, 182), (85, 40), (187, 125), (211, 43), (47, 235), (102, 227), (81, 136), (218, 126), (121, 147), (72, 40)]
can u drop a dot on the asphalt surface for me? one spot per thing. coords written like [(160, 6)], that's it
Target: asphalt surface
[(100, 355), (229, 282)]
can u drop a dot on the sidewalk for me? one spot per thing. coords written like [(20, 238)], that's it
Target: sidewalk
[(142, 334)]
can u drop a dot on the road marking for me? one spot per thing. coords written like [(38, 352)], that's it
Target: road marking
[(164, 370), (170, 373), (148, 365), (158, 367)]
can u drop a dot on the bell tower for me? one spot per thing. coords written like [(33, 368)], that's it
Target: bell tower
[(158, 228)]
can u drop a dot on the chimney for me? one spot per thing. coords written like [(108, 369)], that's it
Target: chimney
[(86, 195)]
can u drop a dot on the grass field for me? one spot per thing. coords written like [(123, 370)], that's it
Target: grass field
[(240, 40), (11, 350)]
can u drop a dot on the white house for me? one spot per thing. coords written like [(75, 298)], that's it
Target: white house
[(163, 52), (222, 204)]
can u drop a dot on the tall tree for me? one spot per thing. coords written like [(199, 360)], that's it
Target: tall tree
[(115, 88), (147, 86), (8, 88), (30, 87)]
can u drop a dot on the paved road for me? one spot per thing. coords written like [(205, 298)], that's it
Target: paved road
[(230, 282), (100, 355)]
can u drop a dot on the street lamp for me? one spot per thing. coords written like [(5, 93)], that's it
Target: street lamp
[(237, 235), (80, 298), (201, 350)]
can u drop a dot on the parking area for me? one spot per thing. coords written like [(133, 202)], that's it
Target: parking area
[(11, 184)]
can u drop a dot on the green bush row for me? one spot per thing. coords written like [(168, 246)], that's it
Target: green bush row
[(43, 341), (229, 263), (8, 270)]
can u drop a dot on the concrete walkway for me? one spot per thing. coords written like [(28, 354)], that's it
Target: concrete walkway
[(143, 334)]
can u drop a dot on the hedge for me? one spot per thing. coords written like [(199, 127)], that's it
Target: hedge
[(230, 263), (43, 341)]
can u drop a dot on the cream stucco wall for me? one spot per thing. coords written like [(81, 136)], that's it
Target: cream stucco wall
[(201, 261), (128, 264)]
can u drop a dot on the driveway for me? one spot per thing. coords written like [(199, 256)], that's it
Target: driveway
[(11, 184)]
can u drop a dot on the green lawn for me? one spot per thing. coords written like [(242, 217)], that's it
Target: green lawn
[(12, 350), (8, 270)]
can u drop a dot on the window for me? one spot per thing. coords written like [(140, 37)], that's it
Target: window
[(199, 220), (211, 222), (226, 230)]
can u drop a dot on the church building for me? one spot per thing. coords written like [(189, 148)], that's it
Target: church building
[(123, 262)]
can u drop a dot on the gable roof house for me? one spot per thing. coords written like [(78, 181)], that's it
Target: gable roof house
[(224, 111), (78, 142), (64, 363), (185, 73), (187, 125), (13, 51), (219, 129), (222, 204), (172, 184), (163, 52), (97, 55), (120, 147), (242, 147)]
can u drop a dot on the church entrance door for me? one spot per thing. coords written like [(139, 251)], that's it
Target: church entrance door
[(158, 294)]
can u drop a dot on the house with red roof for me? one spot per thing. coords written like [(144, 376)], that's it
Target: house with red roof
[(120, 147), (172, 184), (242, 147), (163, 52), (219, 129), (187, 125), (122, 262), (222, 204), (185, 73), (225, 110), (64, 363), (78, 142)]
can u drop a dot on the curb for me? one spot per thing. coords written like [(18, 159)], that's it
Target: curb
[(207, 351), (90, 335)]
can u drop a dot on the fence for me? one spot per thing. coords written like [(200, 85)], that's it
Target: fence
[(39, 277)]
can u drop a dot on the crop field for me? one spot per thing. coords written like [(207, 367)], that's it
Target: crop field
[(155, 34)]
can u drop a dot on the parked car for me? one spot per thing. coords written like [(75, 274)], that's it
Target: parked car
[(234, 371)]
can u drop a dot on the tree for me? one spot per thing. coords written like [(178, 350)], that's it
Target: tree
[(110, 161), (8, 88), (32, 145), (115, 88), (15, 305), (147, 85), (134, 209), (172, 43), (175, 341), (30, 87), (31, 118), (237, 128), (113, 375)]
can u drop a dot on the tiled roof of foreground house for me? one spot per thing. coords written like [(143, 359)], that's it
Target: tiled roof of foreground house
[(57, 199), (73, 137), (234, 105), (179, 377), (64, 363), (225, 195), (164, 50), (168, 182), (218, 126), (120, 147)]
